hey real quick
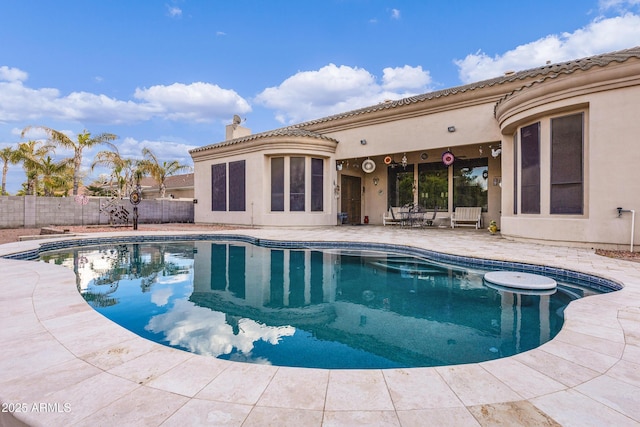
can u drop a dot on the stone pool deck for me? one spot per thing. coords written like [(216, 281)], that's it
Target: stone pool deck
[(62, 363)]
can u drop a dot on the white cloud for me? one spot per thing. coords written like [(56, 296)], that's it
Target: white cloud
[(164, 150), (174, 12), (617, 4), (85, 106), (333, 89), (22, 103), (405, 78), (12, 74), (200, 102), (395, 14), (600, 36), (196, 102)]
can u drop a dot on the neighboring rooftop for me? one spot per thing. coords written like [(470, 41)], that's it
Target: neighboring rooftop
[(173, 181)]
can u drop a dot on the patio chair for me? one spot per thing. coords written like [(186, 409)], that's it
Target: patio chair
[(392, 216), (430, 221)]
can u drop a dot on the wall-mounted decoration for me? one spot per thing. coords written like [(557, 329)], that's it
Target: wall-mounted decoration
[(448, 158), (368, 166), (388, 160)]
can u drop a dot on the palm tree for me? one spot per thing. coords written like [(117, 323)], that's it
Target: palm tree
[(53, 174), (31, 154), (9, 156), (84, 141), (122, 169), (160, 171)]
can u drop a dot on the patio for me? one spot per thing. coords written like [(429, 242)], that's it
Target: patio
[(62, 363)]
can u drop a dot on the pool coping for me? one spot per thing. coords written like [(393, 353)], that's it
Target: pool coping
[(597, 350)]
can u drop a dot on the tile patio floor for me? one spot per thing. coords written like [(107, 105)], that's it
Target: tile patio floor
[(56, 350)]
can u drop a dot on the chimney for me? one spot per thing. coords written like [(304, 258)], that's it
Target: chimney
[(234, 130)]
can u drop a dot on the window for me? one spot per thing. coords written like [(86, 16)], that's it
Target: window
[(433, 186), (400, 185), (237, 186), (470, 178), (305, 188), (296, 184), (317, 185), (567, 165), (219, 187), (277, 184), (530, 169)]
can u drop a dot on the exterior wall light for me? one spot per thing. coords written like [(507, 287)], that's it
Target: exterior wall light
[(451, 128), (363, 141)]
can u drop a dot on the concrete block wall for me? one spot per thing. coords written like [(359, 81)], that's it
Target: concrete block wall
[(33, 212), (11, 211)]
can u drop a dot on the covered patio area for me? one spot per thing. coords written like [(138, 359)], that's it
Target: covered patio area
[(423, 187)]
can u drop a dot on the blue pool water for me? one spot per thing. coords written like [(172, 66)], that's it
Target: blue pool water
[(322, 308)]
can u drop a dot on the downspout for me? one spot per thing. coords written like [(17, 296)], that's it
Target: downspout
[(633, 222)]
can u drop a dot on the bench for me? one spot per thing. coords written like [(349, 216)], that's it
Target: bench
[(470, 216)]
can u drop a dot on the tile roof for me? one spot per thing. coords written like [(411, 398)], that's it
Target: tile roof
[(554, 70), (542, 73), (289, 131), (173, 181)]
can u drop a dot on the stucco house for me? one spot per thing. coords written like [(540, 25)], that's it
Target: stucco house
[(177, 187), (549, 153)]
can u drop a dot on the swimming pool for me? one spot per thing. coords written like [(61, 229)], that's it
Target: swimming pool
[(325, 307)]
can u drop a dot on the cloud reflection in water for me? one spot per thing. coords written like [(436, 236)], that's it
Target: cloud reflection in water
[(203, 331)]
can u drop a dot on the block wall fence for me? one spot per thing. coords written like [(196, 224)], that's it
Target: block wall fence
[(36, 211)]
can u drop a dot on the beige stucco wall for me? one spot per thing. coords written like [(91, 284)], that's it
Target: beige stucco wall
[(609, 98), (257, 155), (475, 127)]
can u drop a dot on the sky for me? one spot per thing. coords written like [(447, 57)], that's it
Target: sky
[(170, 75)]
